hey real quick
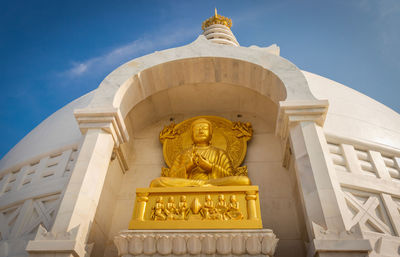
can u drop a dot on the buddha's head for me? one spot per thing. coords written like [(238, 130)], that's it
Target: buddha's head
[(201, 131)]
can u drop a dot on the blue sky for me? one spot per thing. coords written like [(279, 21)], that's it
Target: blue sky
[(55, 51)]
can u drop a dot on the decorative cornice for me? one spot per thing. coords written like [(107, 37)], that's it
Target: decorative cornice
[(293, 112), (109, 120)]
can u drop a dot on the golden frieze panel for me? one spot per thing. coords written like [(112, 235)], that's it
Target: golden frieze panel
[(197, 208), (221, 210)]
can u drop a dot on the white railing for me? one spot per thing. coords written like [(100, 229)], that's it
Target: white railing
[(369, 179), (30, 194)]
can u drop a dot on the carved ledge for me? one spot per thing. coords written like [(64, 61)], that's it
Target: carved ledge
[(50, 243), (343, 247), (345, 242), (260, 242)]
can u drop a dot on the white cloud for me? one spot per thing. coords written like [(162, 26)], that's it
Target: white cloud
[(123, 53), (78, 68)]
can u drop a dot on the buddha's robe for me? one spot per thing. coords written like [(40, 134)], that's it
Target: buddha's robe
[(221, 174)]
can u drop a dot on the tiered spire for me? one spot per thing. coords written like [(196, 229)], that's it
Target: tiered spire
[(217, 29)]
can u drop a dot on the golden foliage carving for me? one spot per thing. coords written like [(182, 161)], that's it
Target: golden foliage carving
[(169, 132), (243, 129)]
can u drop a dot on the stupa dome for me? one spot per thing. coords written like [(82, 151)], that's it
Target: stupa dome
[(326, 158), (350, 113)]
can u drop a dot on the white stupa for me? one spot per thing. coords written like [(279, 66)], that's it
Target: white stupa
[(326, 157)]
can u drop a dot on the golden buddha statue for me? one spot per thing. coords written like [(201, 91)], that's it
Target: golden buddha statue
[(203, 157), (201, 164)]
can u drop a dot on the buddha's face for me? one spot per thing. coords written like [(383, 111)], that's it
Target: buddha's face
[(201, 133)]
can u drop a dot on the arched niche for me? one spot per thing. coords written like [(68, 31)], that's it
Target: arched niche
[(200, 62), (205, 76), (235, 102), (203, 79), (178, 103)]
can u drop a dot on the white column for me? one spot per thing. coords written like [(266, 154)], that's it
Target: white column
[(313, 176), (300, 125), (78, 206), (70, 231), (320, 192)]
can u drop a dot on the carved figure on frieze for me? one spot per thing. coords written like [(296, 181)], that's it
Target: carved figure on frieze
[(221, 208), (208, 210), (202, 163), (183, 210), (158, 210), (234, 212), (170, 209)]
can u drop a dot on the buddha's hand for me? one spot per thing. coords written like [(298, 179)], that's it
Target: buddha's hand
[(202, 162), (191, 162)]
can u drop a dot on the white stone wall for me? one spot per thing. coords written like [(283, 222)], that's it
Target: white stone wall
[(30, 196), (264, 160), (105, 211)]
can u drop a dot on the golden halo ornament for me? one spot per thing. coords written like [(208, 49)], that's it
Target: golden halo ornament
[(226, 135)]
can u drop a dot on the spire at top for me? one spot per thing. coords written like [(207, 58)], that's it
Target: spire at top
[(217, 19), (218, 29)]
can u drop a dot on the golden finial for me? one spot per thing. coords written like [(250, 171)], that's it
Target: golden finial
[(217, 19)]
